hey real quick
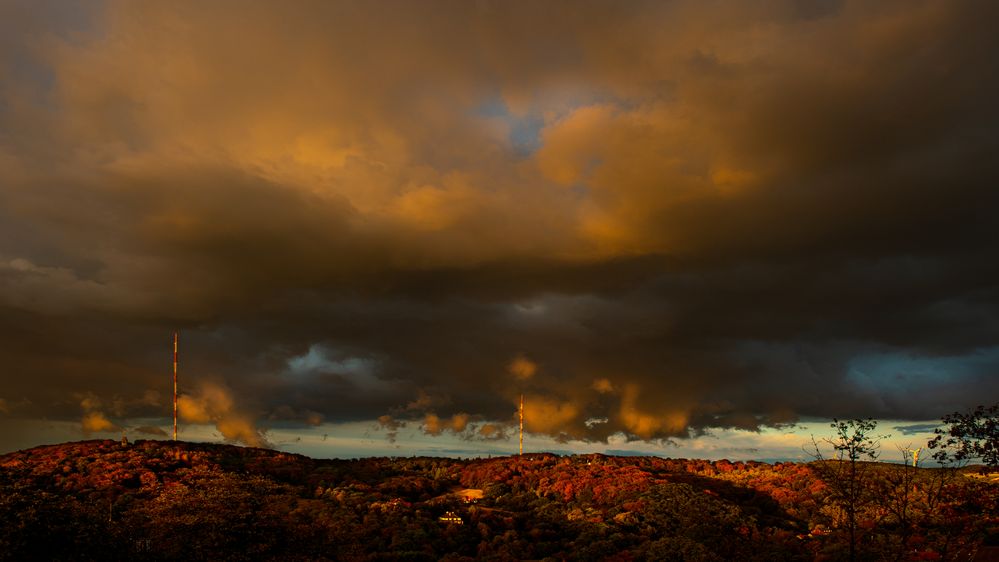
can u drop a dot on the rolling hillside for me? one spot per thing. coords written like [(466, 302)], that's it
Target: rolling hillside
[(159, 500)]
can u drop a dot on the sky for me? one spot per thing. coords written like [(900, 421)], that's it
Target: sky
[(685, 228)]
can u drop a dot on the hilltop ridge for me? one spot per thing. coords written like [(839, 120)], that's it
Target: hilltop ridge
[(169, 500)]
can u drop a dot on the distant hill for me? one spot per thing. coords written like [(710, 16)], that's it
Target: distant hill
[(160, 500)]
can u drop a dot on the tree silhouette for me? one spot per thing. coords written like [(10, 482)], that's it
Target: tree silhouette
[(846, 473), (972, 435)]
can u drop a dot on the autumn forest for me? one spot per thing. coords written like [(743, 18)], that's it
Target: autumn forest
[(161, 500)]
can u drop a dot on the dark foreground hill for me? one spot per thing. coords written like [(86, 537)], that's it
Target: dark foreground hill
[(158, 500)]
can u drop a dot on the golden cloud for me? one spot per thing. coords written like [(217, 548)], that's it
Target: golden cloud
[(492, 431), (97, 422), (603, 386), (648, 425), (544, 415), (522, 368), (723, 192), (435, 425), (214, 403)]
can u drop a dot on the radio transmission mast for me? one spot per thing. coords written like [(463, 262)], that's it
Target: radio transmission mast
[(175, 386), (521, 424)]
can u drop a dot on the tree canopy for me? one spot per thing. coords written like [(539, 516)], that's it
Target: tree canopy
[(973, 435)]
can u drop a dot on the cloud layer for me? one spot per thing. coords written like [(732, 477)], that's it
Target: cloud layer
[(669, 216)]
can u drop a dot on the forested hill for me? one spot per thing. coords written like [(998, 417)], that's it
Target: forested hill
[(102, 500)]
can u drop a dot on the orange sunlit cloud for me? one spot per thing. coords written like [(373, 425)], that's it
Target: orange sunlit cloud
[(522, 368), (214, 403), (669, 216)]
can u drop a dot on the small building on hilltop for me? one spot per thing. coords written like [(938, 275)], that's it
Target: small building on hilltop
[(451, 518)]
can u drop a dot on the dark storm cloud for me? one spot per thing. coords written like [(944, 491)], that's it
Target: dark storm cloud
[(915, 429), (684, 216)]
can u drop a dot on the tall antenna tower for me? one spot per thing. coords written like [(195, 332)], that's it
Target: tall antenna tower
[(175, 386), (521, 424)]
